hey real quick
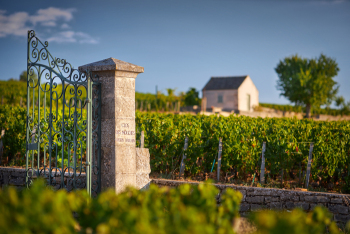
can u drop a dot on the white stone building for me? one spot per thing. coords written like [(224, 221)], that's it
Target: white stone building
[(231, 93)]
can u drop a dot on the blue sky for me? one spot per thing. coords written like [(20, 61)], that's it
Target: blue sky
[(181, 44)]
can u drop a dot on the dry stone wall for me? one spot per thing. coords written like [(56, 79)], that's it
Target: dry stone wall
[(279, 199), (253, 198), (16, 177)]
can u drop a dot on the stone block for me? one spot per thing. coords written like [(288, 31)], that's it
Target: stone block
[(143, 160), (259, 191), (126, 93), (142, 180), (313, 205), (337, 200), (320, 199), (125, 83), (125, 159), (255, 199), (303, 205), (107, 133), (18, 173), (6, 177), (108, 109), (292, 205), (244, 207), (256, 207), (17, 181), (124, 180), (338, 209), (289, 197), (107, 181), (124, 74), (107, 160), (341, 218), (124, 107), (125, 131), (276, 205)]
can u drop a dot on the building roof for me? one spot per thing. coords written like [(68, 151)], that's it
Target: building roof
[(224, 82)]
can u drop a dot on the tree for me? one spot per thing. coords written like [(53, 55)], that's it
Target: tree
[(308, 82), (191, 97), (23, 77)]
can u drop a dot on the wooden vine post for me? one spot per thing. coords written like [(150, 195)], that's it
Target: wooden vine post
[(219, 159), (1, 145), (184, 155), (142, 143), (308, 170), (262, 169)]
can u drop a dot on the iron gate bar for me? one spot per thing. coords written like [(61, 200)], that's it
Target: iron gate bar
[(71, 130)]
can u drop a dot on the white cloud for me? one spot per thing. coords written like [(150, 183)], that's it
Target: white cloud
[(71, 36), (52, 14), (14, 24), (65, 26), (18, 24)]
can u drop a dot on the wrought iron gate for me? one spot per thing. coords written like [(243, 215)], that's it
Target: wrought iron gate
[(63, 138)]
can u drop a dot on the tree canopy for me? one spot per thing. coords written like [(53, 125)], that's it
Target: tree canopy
[(308, 82), (191, 97), (23, 77)]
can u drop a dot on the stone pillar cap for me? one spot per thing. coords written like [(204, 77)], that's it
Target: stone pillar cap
[(111, 64)]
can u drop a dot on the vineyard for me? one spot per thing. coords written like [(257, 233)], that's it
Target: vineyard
[(287, 147)]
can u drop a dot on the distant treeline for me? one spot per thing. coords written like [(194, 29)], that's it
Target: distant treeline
[(14, 92), (300, 109)]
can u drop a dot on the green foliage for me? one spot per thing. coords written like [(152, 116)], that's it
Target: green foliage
[(148, 101), (243, 138), (296, 222), (11, 92), (192, 97), (185, 209), (307, 82), (13, 121), (38, 210)]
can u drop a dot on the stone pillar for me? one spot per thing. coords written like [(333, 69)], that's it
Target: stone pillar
[(118, 143)]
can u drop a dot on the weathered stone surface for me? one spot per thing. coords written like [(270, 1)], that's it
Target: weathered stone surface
[(17, 181), (6, 177), (272, 199), (337, 200), (143, 160), (142, 168), (311, 198), (341, 218), (125, 157), (118, 137), (111, 64), (142, 180), (256, 207), (260, 192), (338, 209), (124, 180), (303, 205), (276, 205), (255, 199), (289, 197), (292, 205), (244, 207)]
